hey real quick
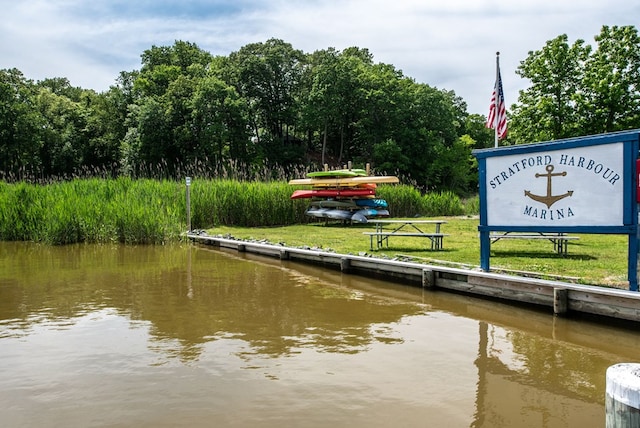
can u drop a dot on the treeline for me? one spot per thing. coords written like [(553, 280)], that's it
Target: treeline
[(271, 107), (266, 106)]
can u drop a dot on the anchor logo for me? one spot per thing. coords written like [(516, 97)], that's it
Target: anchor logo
[(549, 199)]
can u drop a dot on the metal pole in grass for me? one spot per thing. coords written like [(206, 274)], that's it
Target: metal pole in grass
[(188, 181)]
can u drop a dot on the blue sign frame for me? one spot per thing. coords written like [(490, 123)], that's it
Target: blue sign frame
[(629, 226)]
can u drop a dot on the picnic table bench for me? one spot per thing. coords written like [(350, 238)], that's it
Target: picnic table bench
[(407, 228), (560, 240)]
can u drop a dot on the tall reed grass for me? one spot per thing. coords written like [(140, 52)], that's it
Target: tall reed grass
[(241, 203), (227, 169), (92, 210), (407, 201), (146, 211)]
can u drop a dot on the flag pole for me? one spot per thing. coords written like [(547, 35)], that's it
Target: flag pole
[(497, 100)]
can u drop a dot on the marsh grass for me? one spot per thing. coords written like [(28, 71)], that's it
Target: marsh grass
[(147, 211), (244, 203), (92, 210)]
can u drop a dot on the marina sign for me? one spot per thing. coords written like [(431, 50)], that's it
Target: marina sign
[(580, 185)]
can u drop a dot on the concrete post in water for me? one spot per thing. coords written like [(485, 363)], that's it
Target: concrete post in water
[(188, 182), (623, 396)]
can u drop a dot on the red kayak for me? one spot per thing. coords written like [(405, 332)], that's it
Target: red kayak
[(332, 193)]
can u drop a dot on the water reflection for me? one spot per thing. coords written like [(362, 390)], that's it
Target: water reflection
[(134, 332), (191, 297)]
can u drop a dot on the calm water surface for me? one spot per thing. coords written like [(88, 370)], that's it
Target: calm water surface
[(184, 336)]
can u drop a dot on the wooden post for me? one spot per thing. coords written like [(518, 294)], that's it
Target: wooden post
[(428, 278), (284, 255), (560, 299), (623, 396), (242, 248), (345, 265)]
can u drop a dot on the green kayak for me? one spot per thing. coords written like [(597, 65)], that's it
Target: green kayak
[(338, 173)]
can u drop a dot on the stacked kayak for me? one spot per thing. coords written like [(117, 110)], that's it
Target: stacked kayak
[(344, 194)]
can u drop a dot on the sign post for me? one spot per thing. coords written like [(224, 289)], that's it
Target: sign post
[(188, 183)]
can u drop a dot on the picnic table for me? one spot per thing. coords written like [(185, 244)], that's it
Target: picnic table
[(560, 240), (406, 228)]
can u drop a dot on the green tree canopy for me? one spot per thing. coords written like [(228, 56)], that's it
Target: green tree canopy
[(611, 82), (578, 90), (271, 104)]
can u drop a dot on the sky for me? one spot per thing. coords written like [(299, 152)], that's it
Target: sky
[(450, 45)]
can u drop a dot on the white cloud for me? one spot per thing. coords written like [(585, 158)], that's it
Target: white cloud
[(450, 45)]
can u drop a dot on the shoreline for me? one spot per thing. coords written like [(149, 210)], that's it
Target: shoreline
[(558, 297)]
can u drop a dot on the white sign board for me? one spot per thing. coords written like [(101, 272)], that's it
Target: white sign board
[(568, 187)]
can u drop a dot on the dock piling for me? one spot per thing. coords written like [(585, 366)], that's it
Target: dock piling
[(623, 396)]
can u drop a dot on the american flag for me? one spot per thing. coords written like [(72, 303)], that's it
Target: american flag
[(502, 111)]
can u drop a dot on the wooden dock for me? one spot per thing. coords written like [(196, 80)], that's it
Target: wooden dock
[(561, 298)]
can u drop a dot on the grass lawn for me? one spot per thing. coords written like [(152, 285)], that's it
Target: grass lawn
[(593, 259)]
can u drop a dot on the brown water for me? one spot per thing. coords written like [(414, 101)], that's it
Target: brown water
[(115, 336)]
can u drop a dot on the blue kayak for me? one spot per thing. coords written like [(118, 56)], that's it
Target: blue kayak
[(381, 203)]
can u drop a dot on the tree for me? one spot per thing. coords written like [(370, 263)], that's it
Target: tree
[(474, 126), (320, 109), (161, 65), (384, 100), (390, 157), (372, 113), (611, 84), (76, 133), (335, 98), (154, 143), (547, 110), (163, 92), (21, 124), (268, 76), (427, 131), (62, 139), (577, 90), (219, 120)]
